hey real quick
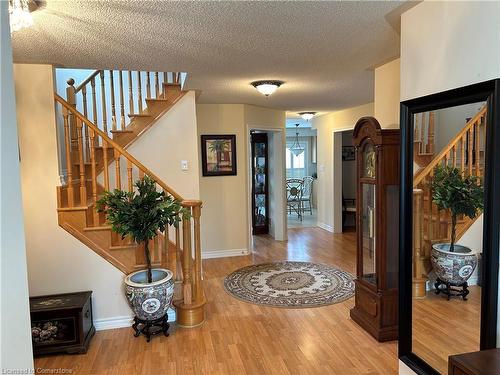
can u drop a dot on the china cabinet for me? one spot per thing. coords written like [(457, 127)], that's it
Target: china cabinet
[(260, 184)]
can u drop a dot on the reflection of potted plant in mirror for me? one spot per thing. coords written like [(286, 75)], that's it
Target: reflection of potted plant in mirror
[(142, 214), (460, 195)]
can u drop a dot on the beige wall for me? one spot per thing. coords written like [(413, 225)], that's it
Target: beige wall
[(454, 47), (57, 262), (173, 138), (330, 195), (225, 223), (386, 99), (16, 352)]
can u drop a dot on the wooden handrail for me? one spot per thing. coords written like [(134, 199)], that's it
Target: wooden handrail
[(87, 80), (118, 148), (425, 171)]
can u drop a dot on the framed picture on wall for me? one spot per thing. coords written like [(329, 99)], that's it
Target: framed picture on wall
[(218, 155), (348, 153)]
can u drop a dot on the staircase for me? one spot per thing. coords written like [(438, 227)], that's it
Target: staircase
[(466, 152), (95, 159), (423, 146)]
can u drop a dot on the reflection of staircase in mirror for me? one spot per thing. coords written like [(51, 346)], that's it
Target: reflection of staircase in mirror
[(423, 144), (465, 152)]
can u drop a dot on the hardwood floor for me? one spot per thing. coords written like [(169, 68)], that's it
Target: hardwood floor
[(242, 338), (442, 328)]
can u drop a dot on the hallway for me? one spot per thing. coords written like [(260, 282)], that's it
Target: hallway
[(242, 338)]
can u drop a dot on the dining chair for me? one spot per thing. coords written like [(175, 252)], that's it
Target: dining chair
[(307, 192), (294, 196)]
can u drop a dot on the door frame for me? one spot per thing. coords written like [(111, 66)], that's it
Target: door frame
[(280, 222)]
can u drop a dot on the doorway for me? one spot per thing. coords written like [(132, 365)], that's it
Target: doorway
[(266, 181), (344, 182), (301, 175)]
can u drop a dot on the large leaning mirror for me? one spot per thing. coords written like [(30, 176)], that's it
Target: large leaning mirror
[(449, 227)]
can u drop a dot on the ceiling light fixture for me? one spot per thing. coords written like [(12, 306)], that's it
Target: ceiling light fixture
[(295, 147), (20, 16), (267, 87), (307, 115)]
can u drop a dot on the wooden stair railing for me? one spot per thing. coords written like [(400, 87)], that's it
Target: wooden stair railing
[(466, 152), (85, 181), (107, 106), (423, 147)]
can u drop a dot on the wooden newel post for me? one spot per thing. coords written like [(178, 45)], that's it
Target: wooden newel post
[(430, 133), (197, 251), (71, 99), (419, 279), (186, 261)]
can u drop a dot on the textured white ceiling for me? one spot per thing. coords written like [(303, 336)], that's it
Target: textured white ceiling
[(324, 51)]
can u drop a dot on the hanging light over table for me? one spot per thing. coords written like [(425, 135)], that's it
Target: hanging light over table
[(307, 115), (295, 147)]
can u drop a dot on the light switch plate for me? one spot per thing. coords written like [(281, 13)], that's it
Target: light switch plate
[(184, 165)]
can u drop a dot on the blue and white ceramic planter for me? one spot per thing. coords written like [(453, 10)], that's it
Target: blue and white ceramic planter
[(150, 301), (454, 267)]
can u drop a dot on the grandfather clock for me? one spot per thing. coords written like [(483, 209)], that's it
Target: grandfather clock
[(377, 220)]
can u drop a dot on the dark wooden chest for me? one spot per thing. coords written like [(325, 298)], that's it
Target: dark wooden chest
[(61, 323), (485, 362)]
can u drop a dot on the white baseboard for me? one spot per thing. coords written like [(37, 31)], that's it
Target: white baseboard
[(123, 321), (223, 253), (112, 323), (326, 227)]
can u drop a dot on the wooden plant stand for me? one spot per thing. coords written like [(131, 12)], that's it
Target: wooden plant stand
[(451, 289), (150, 327)]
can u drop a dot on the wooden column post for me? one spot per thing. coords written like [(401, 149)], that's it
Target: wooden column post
[(198, 293), (186, 264), (419, 280)]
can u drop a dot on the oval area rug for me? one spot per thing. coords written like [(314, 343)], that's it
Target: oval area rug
[(290, 284)]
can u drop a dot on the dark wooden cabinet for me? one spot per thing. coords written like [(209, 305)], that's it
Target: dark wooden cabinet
[(377, 222), (260, 184), (61, 323), (485, 362)]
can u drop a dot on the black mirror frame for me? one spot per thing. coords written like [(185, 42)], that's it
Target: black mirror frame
[(488, 91)]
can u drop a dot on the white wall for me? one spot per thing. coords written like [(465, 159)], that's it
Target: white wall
[(57, 262), (15, 332), (170, 140), (454, 49)]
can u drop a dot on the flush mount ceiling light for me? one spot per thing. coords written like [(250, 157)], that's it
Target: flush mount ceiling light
[(307, 115), (267, 87), (19, 14), (295, 147)]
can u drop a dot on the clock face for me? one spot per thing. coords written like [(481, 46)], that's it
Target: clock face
[(369, 161)]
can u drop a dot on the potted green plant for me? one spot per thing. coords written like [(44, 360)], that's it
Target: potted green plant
[(460, 195), (141, 214)]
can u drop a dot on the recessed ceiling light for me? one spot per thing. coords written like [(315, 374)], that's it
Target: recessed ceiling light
[(267, 87), (307, 115)]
